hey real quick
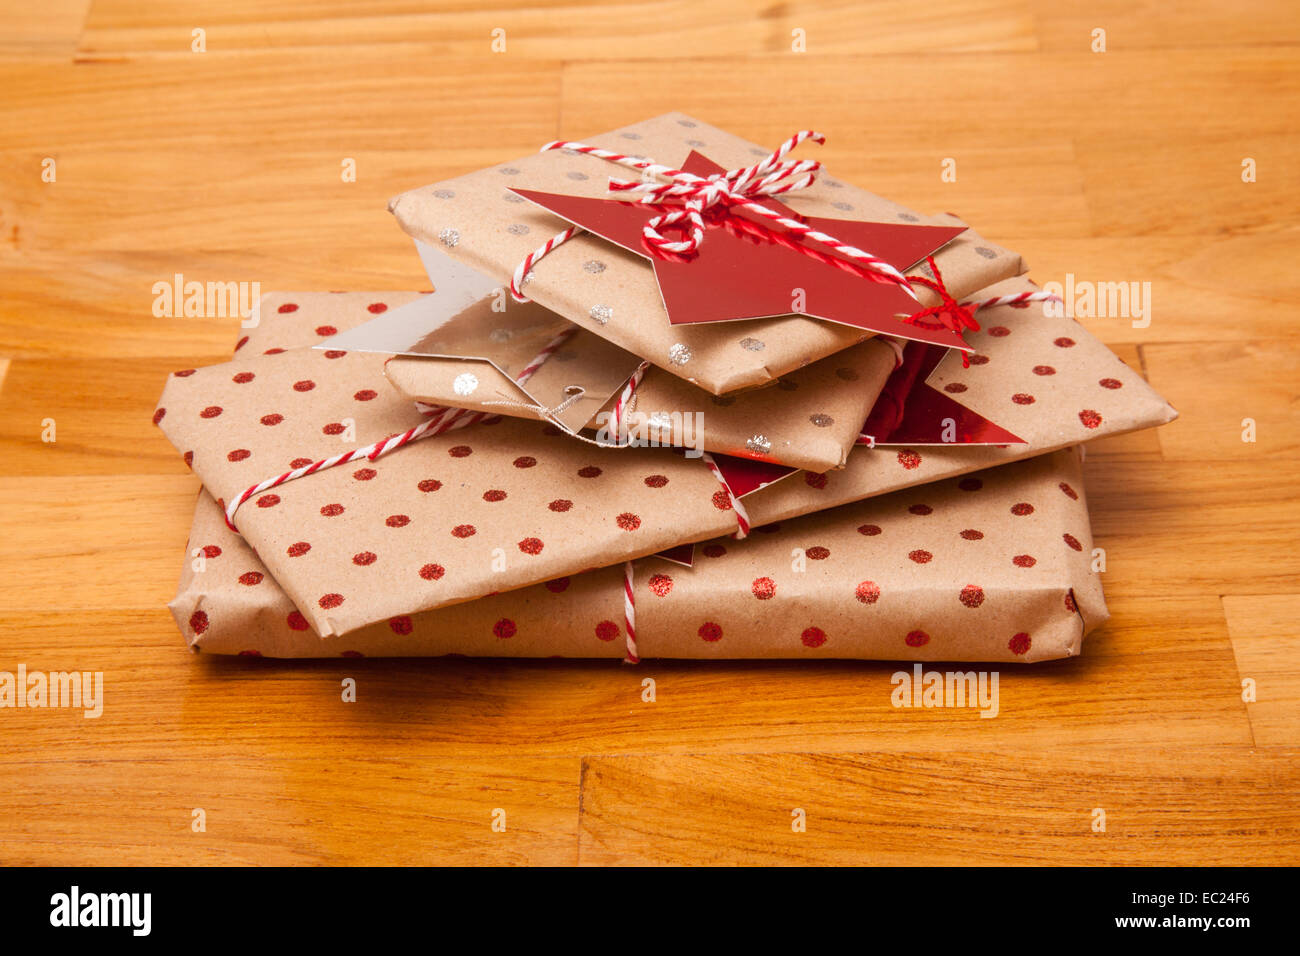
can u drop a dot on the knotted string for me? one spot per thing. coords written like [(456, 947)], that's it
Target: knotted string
[(957, 316), (950, 313), (690, 196), (617, 426), (736, 190)]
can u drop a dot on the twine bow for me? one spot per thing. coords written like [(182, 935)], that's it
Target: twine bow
[(741, 189), (950, 313), (772, 176), (690, 196), (959, 316)]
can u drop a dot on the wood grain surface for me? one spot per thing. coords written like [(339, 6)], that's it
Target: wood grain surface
[(1123, 165)]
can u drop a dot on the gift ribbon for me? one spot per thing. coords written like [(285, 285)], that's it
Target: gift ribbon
[(956, 315), (742, 516), (629, 597), (625, 400), (736, 189), (443, 419), (629, 613), (740, 189)]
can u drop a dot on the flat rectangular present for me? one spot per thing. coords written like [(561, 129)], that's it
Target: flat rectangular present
[(993, 567), (460, 348), (484, 220), (809, 418), (462, 514)]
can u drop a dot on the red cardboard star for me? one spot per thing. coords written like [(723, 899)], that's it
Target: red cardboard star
[(909, 411), (741, 273)]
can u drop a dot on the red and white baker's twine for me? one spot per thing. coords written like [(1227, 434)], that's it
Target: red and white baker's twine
[(961, 315), (621, 406), (629, 568), (737, 189), (742, 516), (629, 612), (740, 189), (442, 420)]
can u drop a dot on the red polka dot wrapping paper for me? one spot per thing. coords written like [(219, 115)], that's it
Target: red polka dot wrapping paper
[(612, 293), (990, 567), (497, 507)]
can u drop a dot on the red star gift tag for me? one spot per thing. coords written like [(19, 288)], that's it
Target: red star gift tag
[(742, 272), (910, 411)]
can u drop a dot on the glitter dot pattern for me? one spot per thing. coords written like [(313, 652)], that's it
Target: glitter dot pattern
[(305, 389), (1037, 374), (428, 525)]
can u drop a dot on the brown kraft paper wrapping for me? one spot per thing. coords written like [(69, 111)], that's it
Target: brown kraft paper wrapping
[(808, 418), (990, 567), (459, 348), (811, 417), (478, 221), (491, 508)]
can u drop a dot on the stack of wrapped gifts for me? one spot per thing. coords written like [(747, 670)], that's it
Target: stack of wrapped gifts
[(672, 395)]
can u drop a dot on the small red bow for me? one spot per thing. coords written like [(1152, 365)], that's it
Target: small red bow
[(950, 313)]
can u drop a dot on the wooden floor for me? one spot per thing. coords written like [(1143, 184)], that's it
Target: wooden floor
[(225, 165)]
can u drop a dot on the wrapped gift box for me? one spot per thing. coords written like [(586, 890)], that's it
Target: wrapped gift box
[(810, 418), (466, 346), (484, 221), (993, 567), (501, 506)]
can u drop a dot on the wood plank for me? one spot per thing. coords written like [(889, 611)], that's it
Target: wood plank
[(1134, 184), (93, 409), (1160, 525), (70, 305), (1162, 676), (37, 30), (1193, 807), (368, 98), (1208, 288), (659, 29), (1193, 24), (93, 543), (1266, 644), (289, 812), (85, 251), (1213, 425)]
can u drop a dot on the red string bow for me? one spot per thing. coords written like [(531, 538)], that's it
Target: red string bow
[(950, 313)]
